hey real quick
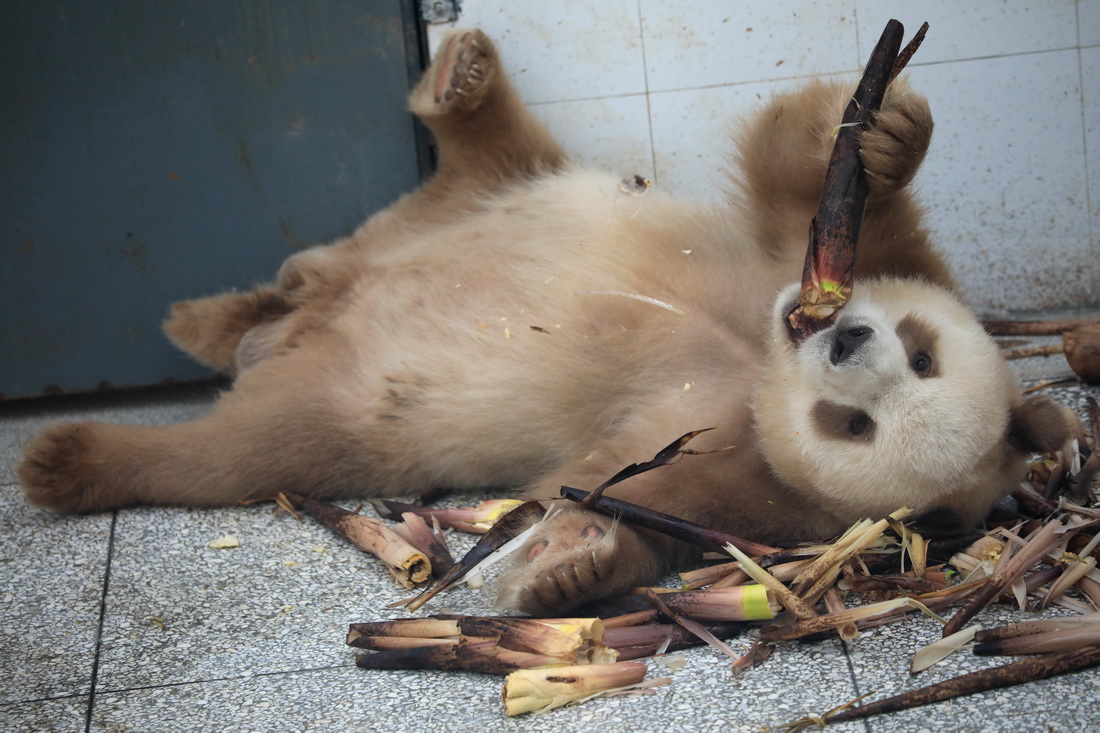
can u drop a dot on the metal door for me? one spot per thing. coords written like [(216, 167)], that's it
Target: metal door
[(156, 151)]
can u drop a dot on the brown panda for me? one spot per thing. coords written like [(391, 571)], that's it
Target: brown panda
[(520, 322)]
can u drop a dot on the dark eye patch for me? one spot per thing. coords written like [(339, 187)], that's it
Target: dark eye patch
[(839, 422), (919, 340)]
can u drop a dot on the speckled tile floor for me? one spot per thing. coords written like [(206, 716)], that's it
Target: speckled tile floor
[(131, 622)]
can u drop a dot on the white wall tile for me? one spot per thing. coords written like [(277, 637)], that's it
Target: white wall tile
[(1005, 178), (611, 134), (1090, 84), (697, 43), (1088, 16), (559, 51), (967, 29)]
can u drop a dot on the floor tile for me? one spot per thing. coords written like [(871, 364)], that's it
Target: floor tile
[(702, 697), (180, 611), (881, 658), (63, 716), (53, 569)]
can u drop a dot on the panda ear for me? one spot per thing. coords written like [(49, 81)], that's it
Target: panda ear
[(1037, 425)]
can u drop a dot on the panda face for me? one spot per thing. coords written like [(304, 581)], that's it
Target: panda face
[(903, 401)]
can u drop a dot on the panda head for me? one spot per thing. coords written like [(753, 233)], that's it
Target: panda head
[(903, 401)]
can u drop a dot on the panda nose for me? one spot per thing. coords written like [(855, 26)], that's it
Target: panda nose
[(848, 343)]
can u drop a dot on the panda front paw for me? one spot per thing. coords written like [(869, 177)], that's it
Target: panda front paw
[(895, 144), (573, 557)]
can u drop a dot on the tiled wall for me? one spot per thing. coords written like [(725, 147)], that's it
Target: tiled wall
[(1012, 182)]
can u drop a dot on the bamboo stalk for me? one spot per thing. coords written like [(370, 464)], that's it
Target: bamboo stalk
[(1027, 670), (1064, 639), (1032, 328), (829, 270), (475, 520), (675, 527), (408, 565), (693, 626), (1039, 626), (741, 603), (1029, 351)]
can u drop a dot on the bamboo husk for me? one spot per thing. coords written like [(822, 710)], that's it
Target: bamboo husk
[(528, 691), (834, 604), (414, 530), (1041, 542), (408, 565), (787, 599), (940, 649), (1039, 626), (823, 572), (832, 621), (507, 532), (1068, 579), (680, 529)]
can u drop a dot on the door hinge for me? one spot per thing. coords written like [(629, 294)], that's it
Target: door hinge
[(439, 11)]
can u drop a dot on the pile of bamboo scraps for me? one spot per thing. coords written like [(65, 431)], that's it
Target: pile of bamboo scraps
[(876, 573)]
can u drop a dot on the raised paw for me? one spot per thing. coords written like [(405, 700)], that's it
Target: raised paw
[(575, 556), (61, 469), (895, 144), (460, 75)]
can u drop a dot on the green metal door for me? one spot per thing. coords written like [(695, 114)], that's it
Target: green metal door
[(156, 151)]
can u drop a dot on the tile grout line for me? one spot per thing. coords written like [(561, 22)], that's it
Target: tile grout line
[(855, 680), (231, 678), (99, 628), (855, 70), (648, 103), (1084, 128)]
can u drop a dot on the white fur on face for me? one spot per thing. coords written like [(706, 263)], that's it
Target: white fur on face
[(921, 436)]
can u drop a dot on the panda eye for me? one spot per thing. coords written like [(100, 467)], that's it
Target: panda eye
[(921, 363), (859, 423)]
